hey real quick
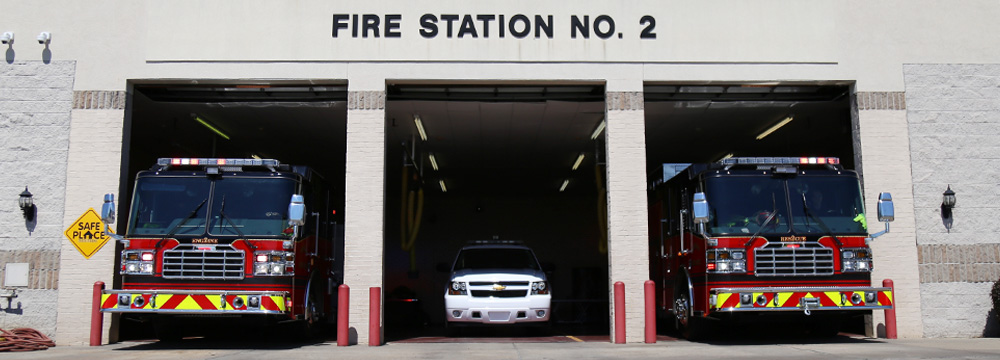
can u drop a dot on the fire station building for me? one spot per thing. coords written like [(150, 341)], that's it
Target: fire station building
[(448, 121)]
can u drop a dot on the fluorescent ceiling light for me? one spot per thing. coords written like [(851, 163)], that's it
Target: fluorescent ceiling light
[(420, 127), (443, 188), (434, 163), (579, 159), (775, 127), (564, 185), (210, 127), (729, 155), (597, 132)]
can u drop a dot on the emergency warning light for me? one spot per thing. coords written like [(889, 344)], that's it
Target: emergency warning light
[(166, 162), (780, 161)]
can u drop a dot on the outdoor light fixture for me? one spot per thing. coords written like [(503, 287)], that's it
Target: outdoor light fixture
[(420, 127), (564, 185), (7, 38), (579, 160), (947, 204), (598, 130), (434, 163), (44, 38), (208, 125), (775, 127), (444, 189), (27, 204)]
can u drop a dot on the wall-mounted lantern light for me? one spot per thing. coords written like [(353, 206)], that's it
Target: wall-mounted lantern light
[(947, 204), (27, 204)]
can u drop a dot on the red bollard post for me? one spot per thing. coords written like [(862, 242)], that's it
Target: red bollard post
[(619, 312), (344, 299), (374, 316), (650, 311), (96, 318), (890, 313)]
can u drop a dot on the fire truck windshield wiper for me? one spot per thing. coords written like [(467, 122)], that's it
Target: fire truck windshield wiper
[(774, 212), (174, 229), (822, 225), (222, 214)]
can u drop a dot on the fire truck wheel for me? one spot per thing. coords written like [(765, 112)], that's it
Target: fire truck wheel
[(691, 327)]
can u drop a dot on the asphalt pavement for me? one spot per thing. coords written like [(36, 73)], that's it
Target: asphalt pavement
[(840, 347)]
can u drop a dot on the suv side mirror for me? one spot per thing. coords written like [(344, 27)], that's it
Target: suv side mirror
[(886, 212), (700, 207), (297, 211), (108, 209)]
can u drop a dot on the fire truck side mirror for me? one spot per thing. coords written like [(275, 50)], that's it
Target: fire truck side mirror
[(108, 209), (297, 211), (886, 212), (700, 206)]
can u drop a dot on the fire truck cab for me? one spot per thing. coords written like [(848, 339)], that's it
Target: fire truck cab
[(220, 239), (760, 239)]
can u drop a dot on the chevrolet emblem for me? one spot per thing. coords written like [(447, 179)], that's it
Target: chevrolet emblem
[(498, 287)]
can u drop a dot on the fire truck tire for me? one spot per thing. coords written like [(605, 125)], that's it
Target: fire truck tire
[(312, 323), (690, 327)]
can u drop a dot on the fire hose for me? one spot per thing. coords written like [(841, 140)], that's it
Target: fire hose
[(24, 339)]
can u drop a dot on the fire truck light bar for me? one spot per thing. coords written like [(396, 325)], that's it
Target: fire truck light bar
[(781, 161), (214, 161)]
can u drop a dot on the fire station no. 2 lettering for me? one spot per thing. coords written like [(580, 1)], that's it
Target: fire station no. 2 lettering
[(485, 26)]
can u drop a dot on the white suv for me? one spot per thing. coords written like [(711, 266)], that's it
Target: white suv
[(497, 283)]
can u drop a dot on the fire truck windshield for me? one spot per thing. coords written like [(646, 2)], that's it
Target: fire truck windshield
[(800, 205), (247, 206)]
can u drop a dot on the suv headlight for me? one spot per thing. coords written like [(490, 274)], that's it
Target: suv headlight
[(722, 261), (274, 263), (137, 262), (457, 288), (539, 288), (855, 260)]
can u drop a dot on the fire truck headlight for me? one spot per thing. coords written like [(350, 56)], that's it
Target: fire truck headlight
[(131, 267), (260, 269), (722, 266), (277, 269), (738, 255), (739, 266), (146, 268)]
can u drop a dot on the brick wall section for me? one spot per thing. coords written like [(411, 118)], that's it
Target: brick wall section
[(628, 256), (364, 209), (35, 104), (953, 114), (886, 150), (959, 263), (93, 170), (881, 100), (98, 99)]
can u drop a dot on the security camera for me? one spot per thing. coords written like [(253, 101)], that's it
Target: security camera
[(44, 38), (7, 38)]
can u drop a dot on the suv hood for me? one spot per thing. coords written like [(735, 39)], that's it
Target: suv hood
[(498, 275)]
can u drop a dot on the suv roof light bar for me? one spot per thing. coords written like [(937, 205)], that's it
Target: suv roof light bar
[(780, 161)]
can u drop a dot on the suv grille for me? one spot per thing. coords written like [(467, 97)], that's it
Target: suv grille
[(187, 262), (500, 294), (810, 259)]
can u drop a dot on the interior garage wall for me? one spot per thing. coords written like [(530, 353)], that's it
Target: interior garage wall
[(35, 104), (953, 116)]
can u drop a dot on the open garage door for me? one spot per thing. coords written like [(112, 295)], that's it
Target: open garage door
[(301, 124), (522, 163), (706, 123)]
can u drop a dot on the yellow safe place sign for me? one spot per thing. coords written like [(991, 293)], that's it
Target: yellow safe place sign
[(87, 233)]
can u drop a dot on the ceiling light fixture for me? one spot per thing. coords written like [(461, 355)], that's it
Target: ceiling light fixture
[(597, 132), (434, 163), (420, 127), (564, 185), (444, 189), (775, 127), (579, 159), (729, 155), (210, 127)]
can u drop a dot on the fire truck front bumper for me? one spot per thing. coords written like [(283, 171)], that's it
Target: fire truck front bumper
[(764, 299), (206, 302)]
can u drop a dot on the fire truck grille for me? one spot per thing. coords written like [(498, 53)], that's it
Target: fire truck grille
[(785, 261), (188, 262), (500, 294)]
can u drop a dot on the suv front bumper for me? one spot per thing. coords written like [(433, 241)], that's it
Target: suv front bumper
[(486, 310)]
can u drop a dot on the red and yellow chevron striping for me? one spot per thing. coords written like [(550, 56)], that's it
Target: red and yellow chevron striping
[(790, 299), (112, 302)]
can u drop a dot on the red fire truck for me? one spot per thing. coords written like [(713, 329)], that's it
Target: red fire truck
[(753, 240), (212, 240)]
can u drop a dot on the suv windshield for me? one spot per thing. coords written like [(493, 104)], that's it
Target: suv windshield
[(496, 259), (252, 206), (742, 204)]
